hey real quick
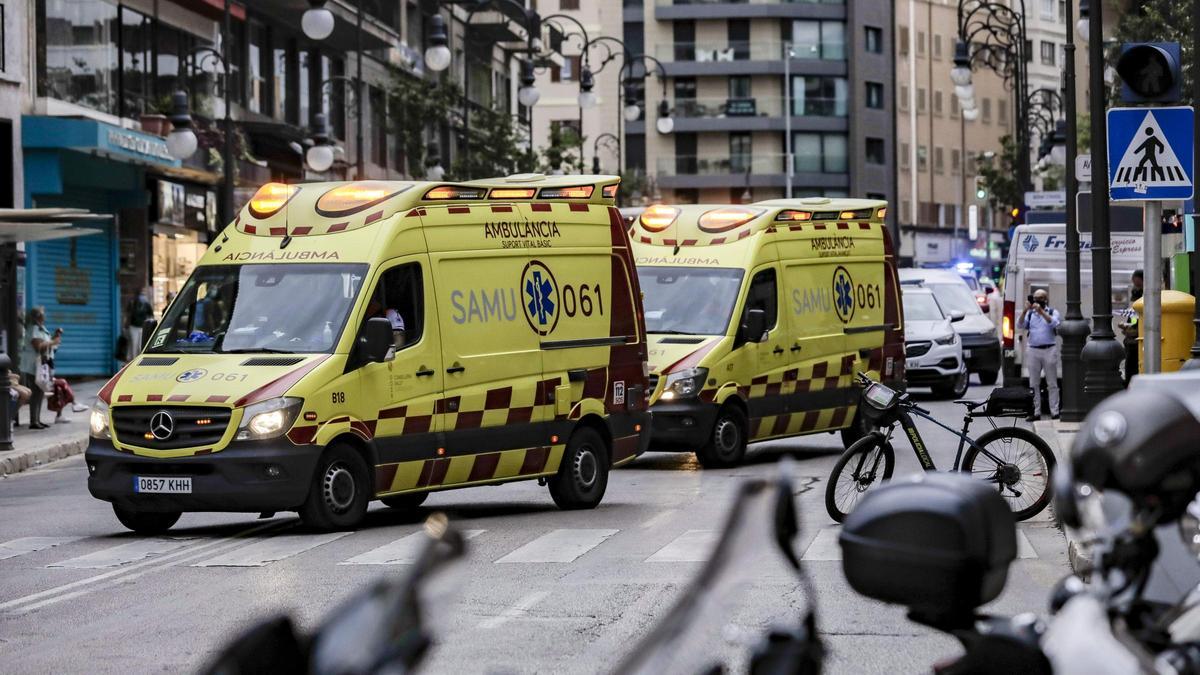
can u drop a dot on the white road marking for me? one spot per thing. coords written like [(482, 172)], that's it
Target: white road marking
[(24, 545), (825, 545), (124, 554), (518, 610), (269, 550), (658, 518), (68, 591), (691, 546), (559, 546), (1024, 547), (402, 551)]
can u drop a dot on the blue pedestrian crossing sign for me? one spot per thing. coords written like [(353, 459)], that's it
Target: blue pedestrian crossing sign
[(1150, 154)]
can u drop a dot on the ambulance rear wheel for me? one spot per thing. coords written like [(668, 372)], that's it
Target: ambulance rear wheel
[(726, 444), (340, 491), (145, 522), (405, 502), (583, 474)]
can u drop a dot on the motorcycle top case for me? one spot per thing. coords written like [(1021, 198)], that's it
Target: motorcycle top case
[(939, 543)]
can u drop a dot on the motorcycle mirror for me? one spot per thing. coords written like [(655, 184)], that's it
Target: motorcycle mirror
[(1066, 508), (1065, 589), (271, 646)]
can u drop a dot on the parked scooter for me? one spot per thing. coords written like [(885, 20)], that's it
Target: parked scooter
[(380, 630)]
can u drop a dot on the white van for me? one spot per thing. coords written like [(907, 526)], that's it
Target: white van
[(980, 345), (1037, 260)]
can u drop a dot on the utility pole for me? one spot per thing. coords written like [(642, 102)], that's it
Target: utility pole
[(787, 117)]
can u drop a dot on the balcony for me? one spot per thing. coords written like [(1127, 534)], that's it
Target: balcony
[(754, 170), (759, 113), (750, 58), (667, 10)]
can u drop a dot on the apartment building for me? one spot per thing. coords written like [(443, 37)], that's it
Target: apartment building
[(725, 91), (938, 148)]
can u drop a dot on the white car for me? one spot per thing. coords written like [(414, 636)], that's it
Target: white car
[(933, 352), (980, 340)]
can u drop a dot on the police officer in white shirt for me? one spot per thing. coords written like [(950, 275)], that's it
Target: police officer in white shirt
[(1041, 352)]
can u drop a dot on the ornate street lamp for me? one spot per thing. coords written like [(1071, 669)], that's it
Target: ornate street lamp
[(319, 156), (587, 97), (317, 22), (437, 54), (665, 123), (182, 141), (528, 94), (1083, 26)]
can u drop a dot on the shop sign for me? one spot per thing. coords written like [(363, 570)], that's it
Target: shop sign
[(741, 107), (150, 147), (72, 285)]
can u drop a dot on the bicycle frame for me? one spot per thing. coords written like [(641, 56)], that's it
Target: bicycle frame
[(904, 417)]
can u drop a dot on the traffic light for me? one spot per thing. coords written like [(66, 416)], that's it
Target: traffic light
[(1017, 213), (1149, 72), (981, 191)]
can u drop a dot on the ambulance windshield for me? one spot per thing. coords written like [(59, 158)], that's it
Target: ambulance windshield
[(270, 308), (689, 300)]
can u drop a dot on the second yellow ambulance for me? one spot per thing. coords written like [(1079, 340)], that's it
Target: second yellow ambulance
[(759, 316), (343, 342)]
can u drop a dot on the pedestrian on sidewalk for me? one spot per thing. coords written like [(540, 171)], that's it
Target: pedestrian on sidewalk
[(37, 355), (139, 311), (1041, 354), (1129, 327)]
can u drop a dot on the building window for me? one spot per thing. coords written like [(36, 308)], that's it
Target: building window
[(567, 72), (379, 126), (922, 158), (567, 5), (1049, 9), (904, 97), (955, 160), (937, 103), (937, 46), (819, 96), (920, 43), (80, 55), (1048, 53), (904, 156), (953, 107), (939, 164), (685, 88), (874, 97), (920, 99), (740, 152), (820, 153), (819, 39), (873, 39), (902, 41), (985, 107), (875, 151), (737, 36), (136, 75), (739, 86), (1029, 51), (279, 82), (1001, 112)]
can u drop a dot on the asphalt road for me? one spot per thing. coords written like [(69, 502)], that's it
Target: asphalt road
[(540, 591)]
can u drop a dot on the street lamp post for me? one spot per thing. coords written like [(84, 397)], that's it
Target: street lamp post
[(1194, 256), (787, 119), (1103, 353)]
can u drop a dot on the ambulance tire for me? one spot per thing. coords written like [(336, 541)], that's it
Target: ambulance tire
[(340, 491), (583, 473), (988, 377), (726, 445), (857, 430), (146, 522), (405, 502)]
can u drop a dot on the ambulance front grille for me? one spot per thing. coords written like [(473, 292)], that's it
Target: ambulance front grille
[(273, 361), (653, 385), (190, 426)]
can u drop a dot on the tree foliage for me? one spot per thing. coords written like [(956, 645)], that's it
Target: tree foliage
[(416, 103), (999, 175), (562, 154), (496, 149)]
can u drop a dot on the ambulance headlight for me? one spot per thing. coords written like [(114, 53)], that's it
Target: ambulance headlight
[(684, 383), (98, 421), (268, 419)]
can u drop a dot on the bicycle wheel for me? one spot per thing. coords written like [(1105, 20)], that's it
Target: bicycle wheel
[(864, 465), (1020, 470)]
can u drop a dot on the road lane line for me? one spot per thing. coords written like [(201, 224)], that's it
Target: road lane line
[(691, 546), (824, 546), (1024, 546), (124, 554), (518, 610), (559, 546), (56, 594), (26, 545), (403, 551), (269, 550)]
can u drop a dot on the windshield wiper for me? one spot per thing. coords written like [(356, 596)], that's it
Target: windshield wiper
[(670, 332), (257, 350)]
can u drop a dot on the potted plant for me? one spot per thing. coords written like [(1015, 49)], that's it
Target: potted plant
[(154, 119)]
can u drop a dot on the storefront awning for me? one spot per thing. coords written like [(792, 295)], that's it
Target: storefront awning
[(25, 225)]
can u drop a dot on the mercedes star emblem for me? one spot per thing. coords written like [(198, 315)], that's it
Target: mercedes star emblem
[(162, 425)]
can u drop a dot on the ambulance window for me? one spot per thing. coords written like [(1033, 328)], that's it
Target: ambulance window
[(763, 295), (399, 297)]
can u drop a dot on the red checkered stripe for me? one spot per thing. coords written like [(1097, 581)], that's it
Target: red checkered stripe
[(245, 226), (834, 373), (725, 238)]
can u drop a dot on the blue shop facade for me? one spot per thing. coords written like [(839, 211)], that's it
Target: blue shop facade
[(162, 214)]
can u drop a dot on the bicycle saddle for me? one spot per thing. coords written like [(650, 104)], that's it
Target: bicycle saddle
[(971, 405)]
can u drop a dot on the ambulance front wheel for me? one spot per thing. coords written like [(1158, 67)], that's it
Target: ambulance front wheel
[(726, 445), (405, 502), (145, 522), (583, 474), (339, 492)]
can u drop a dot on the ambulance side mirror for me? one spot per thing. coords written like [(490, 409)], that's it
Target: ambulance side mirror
[(148, 328), (754, 326), (375, 341)]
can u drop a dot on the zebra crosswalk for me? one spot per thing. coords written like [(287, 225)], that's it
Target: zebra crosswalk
[(269, 547)]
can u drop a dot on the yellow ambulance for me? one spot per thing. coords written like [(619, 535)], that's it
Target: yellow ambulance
[(759, 316), (342, 342)]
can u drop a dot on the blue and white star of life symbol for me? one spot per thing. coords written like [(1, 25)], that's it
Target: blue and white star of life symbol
[(843, 294), (541, 297)]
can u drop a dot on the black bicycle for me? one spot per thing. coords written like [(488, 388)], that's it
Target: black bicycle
[(1016, 460)]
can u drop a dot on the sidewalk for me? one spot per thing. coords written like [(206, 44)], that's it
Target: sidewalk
[(34, 448), (1061, 435)]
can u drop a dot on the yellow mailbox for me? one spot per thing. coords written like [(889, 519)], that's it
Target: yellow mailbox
[(1178, 331)]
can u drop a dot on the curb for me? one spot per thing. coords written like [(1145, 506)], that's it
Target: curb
[(23, 460), (1060, 436)]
